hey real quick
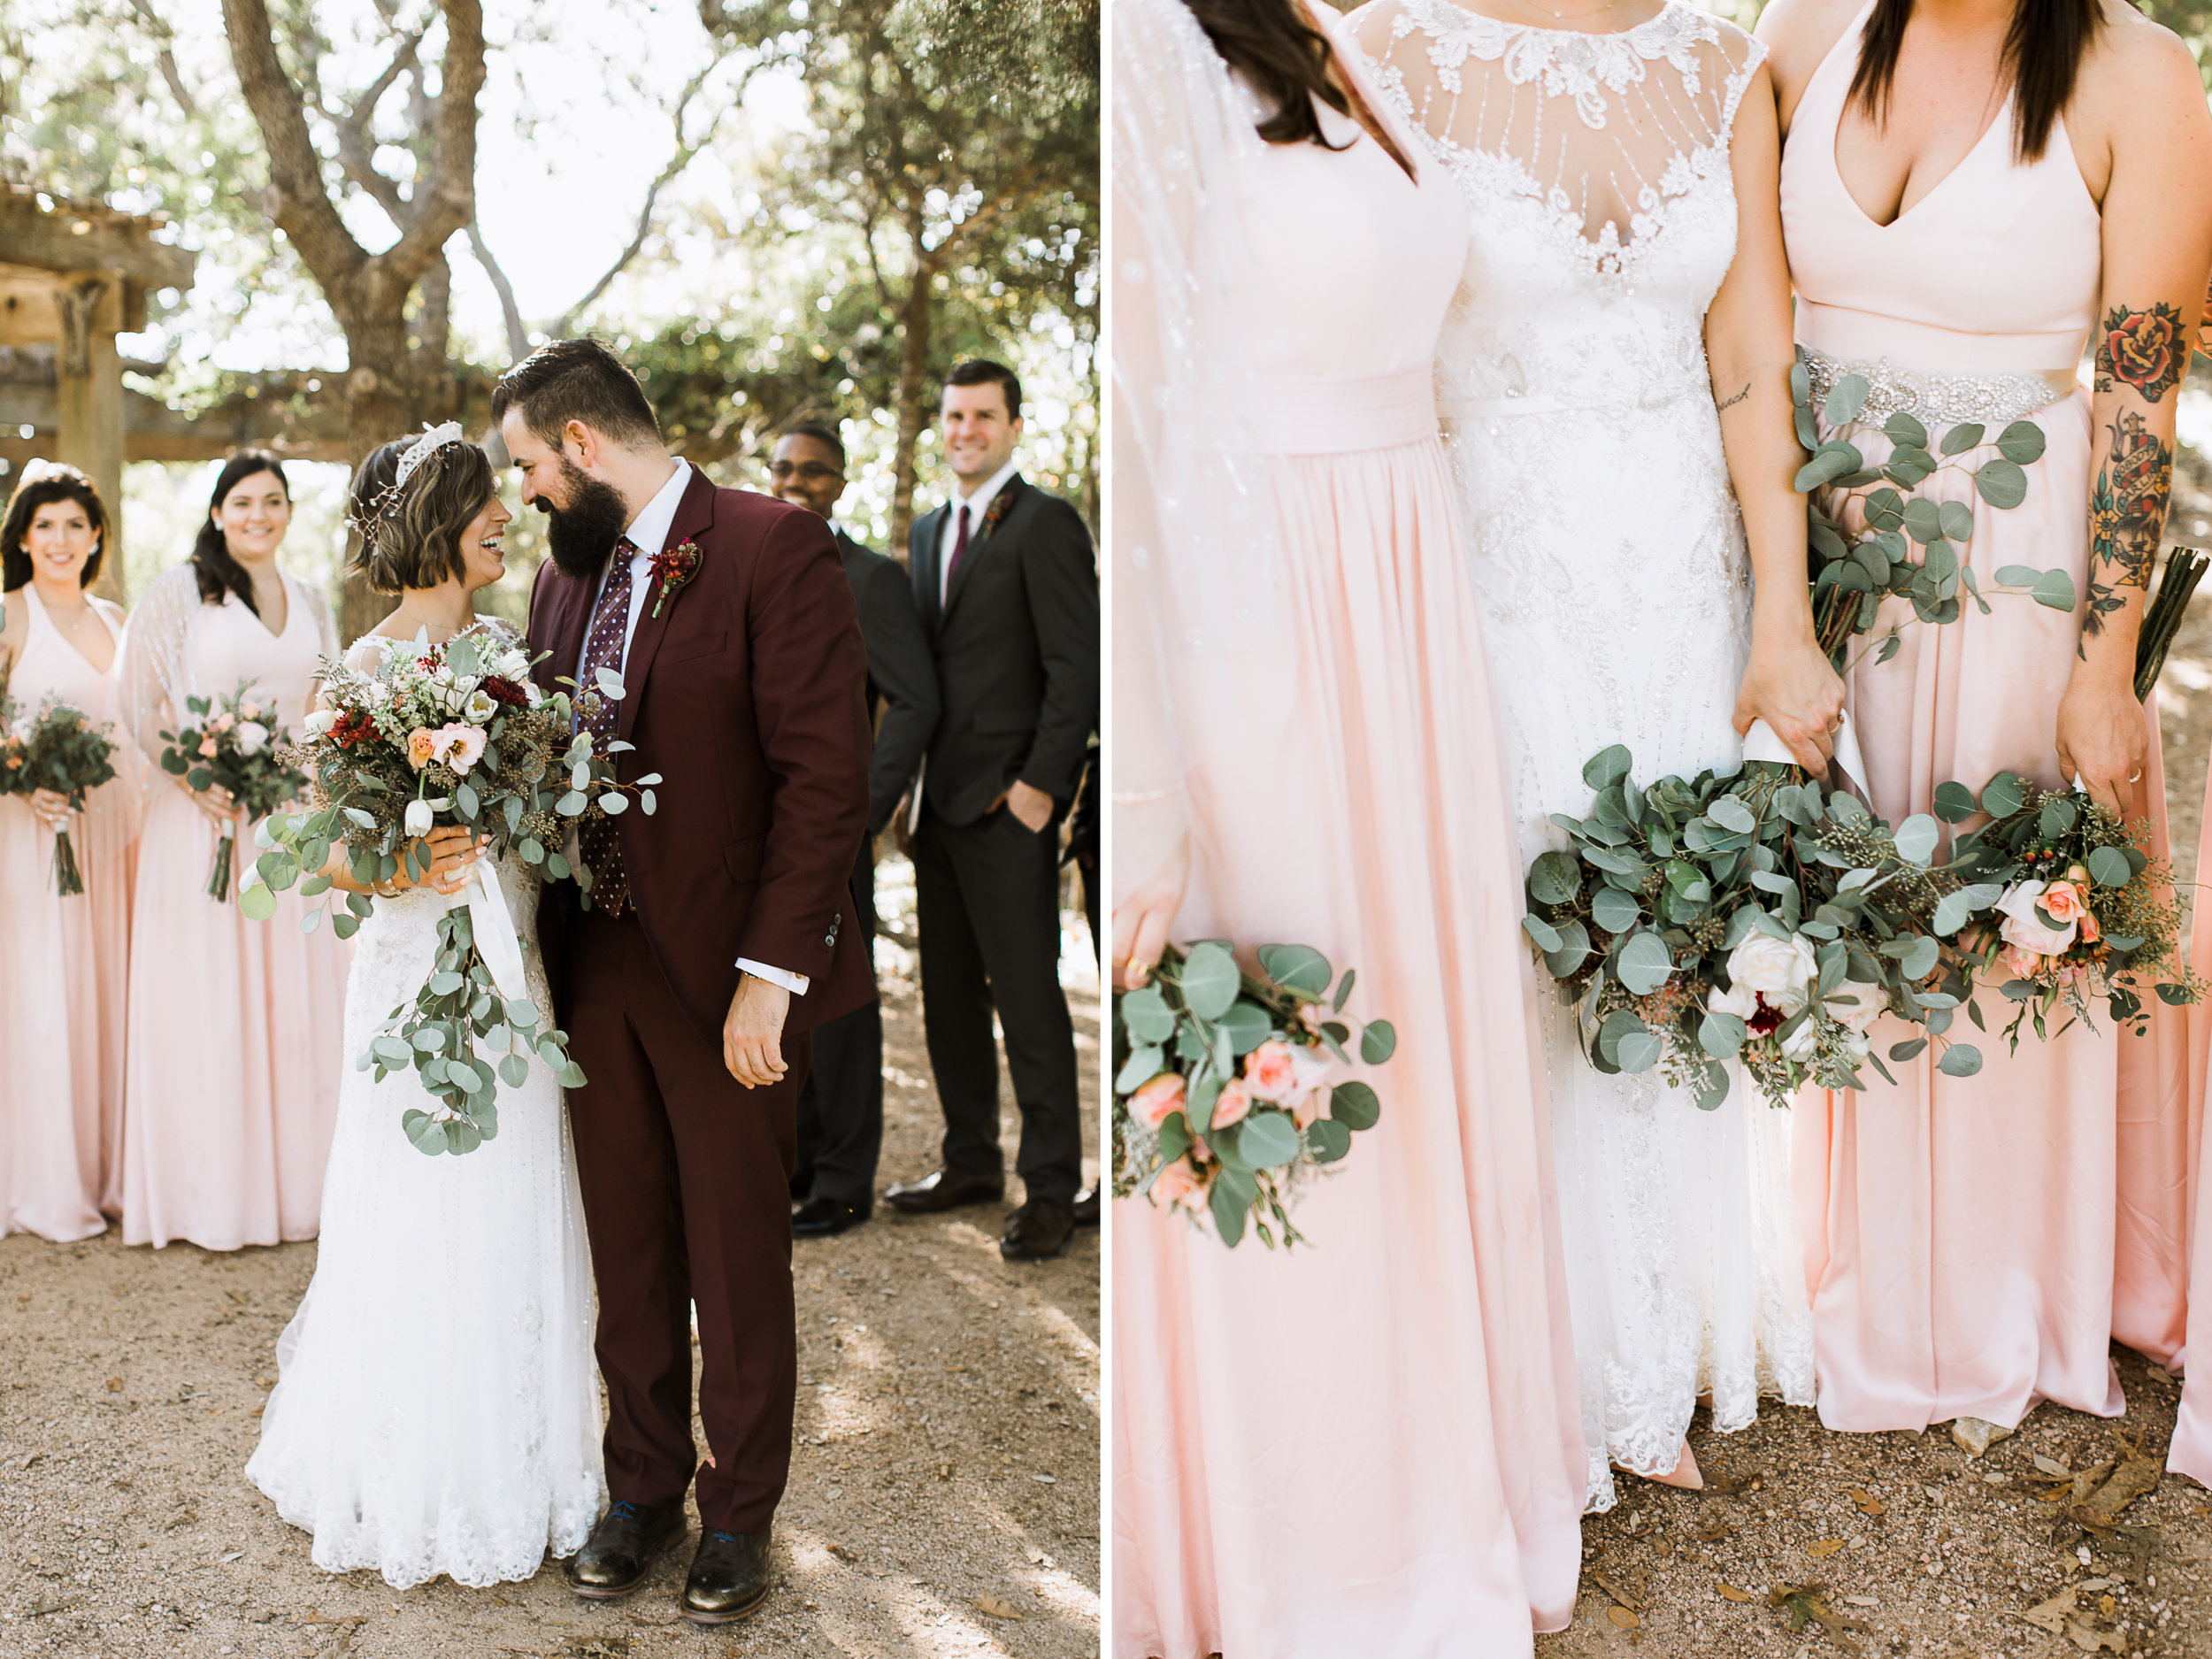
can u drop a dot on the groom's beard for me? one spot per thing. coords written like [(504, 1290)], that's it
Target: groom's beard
[(581, 534)]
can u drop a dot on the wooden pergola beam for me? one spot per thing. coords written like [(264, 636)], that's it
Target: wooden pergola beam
[(50, 235)]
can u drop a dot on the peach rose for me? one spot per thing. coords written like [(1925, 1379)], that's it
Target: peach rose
[(221, 722), (422, 748), (1269, 1071), (1179, 1185), (2091, 932), (208, 747), (2022, 929), (1158, 1099), (2062, 901), (1234, 1101)]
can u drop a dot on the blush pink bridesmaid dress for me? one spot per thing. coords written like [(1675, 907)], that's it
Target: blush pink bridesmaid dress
[(1370, 1445), (63, 965), (235, 1042), (1973, 1244)]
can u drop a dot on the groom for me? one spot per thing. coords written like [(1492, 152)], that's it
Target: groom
[(718, 937)]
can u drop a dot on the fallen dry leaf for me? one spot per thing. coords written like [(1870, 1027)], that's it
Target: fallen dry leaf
[(2133, 1479), (1733, 1593), (2105, 1605), (1867, 1502), (1825, 1546), (2090, 1639), (996, 1607), (1803, 1603), (1611, 1587), (2050, 1616), (1623, 1619), (115, 1384)]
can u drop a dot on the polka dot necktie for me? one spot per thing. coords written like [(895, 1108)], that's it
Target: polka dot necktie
[(601, 839)]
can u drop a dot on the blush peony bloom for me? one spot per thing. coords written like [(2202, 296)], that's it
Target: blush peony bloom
[(208, 747), (222, 722), (1179, 1185), (1269, 1072), (1234, 1101), (422, 748), (2020, 962), (2020, 927), (1156, 1100), (459, 747)]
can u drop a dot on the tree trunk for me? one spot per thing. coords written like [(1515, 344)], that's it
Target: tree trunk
[(379, 408), (919, 313)]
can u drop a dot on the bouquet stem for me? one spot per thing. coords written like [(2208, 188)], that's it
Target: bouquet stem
[(219, 878), (68, 880), (2185, 569)]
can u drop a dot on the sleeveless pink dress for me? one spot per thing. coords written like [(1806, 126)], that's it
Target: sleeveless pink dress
[(63, 967), (1973, 1244), (237, 1044)]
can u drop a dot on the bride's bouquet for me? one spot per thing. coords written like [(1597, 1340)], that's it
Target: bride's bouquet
[(56, 748), (1746, 914), (2084, 911), (235, 745), (452, 734), (1225, 1093)]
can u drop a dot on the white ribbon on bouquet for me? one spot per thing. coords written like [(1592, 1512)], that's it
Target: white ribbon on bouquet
[(1761, 743), (497, 940)]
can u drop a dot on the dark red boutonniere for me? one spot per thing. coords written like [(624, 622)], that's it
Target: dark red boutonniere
[(997, 511), (674, 566)]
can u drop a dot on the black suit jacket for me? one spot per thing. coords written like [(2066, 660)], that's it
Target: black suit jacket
[(1015, 642), (901, 678)]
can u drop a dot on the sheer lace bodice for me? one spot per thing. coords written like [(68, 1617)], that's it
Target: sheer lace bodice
[(1609, 556)]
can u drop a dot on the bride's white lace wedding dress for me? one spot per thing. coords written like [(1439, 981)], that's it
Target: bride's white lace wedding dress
[(1609, 556), (437, 1410)]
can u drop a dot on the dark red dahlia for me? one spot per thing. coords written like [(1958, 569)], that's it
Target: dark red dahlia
[(500, 689)]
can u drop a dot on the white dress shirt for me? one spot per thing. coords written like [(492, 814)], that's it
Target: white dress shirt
[(649, 534), (976, 504)]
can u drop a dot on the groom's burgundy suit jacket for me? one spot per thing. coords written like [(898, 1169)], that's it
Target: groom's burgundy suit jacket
[(746, 695)]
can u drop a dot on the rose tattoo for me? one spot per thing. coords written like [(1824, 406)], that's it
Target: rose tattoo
[(2142, 350)]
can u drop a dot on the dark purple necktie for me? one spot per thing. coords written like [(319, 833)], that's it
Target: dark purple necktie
[(959, 549)]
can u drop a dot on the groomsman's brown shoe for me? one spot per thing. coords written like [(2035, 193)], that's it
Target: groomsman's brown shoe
[(1086, 1206), (945, 1189), (729, 1578), (1036, 1232), (618, 1554)]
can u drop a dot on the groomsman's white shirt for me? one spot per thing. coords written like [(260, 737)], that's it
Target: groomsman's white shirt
[(976, 504), (649, 534)]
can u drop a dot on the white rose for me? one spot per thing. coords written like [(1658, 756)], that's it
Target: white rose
[(320, 723), (1783, 969), (419, 818), (1856, 1016), (1740, 999), (2021, 926), (479, 708), (1799, 1044), (513, 666), (253, 737)]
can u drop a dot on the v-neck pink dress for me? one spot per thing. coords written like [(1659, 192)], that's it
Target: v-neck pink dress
[(1973, 1244), (236, 1042), (63, 963)]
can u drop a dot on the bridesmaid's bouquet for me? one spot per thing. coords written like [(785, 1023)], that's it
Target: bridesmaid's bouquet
[(57, 750), (235, 745), (439, 735), (1748, 914), (1223, 1101), (2084, 911)]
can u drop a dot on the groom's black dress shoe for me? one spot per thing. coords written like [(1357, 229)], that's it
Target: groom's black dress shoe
[(617, 1557), (729, 1578), (1039, 1229), (945, 1189), (819, 1217)]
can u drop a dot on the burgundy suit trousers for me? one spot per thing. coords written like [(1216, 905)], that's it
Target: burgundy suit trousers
[(686, 1179)]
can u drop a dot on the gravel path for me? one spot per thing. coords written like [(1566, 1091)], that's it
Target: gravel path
[(944, 1493)]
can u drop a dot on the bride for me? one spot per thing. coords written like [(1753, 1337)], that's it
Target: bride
[(1616, 358), (436, 1411)]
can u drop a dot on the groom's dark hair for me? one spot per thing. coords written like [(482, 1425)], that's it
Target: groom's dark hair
[(576, 379)]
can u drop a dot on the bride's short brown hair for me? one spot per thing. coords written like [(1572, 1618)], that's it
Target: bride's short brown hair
[(409, 534)]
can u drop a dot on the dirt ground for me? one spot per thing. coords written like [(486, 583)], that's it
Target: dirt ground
[(945, 1477)]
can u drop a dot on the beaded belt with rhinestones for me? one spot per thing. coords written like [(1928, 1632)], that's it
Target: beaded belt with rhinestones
[(1941, 400)]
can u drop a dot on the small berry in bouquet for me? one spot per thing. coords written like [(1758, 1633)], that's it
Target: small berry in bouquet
[(2086, 912), (233, 744), (1753, 914), (56, 748), (1226, 1091), (456, 734)]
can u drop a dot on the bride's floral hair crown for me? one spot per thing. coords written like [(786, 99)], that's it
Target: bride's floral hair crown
[(412, 499)]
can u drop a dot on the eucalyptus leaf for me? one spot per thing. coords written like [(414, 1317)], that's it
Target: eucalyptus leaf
[(1354, 1105), (1377, 1042), (1210, 980), (1954, 803), (1614, 910), (2022, 442), (1965, 436), (2108, 867), (1960, 1060), (1845, 399), (2001, 484), (1556, 876), (1267, 1139), (1917, 838), (1644, 964), (2054, 588)]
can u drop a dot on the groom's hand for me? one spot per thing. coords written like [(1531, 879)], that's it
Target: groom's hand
[(752, 1036)]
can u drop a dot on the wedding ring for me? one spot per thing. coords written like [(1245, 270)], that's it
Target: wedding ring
[(2135, 777)]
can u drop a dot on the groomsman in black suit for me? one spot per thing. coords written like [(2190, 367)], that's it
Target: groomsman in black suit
[(1007, 583), (841, 1105)]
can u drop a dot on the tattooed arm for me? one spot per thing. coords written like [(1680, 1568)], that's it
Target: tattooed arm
[(2157, 211)]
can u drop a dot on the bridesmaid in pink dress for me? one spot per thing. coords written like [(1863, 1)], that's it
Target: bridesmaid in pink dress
[(1371, 1445), (235, 1045), (1954, 233), (66, 960)]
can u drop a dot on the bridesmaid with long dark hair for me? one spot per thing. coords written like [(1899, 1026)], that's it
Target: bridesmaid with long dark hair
[(1371, 1445), (64, 962), (1973, 190), (234, 1042)]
